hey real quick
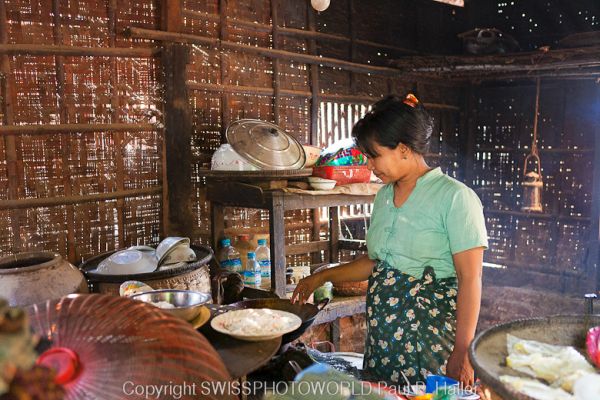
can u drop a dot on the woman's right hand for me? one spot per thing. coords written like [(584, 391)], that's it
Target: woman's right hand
[(306, 286)]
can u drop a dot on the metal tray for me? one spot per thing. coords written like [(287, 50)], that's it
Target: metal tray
[(488, 350)]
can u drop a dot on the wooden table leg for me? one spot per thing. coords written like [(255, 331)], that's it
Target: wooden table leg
[(217, 224), (277, 236), (334, 234)]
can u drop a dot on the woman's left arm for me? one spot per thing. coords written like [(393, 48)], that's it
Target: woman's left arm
[(468, 266)]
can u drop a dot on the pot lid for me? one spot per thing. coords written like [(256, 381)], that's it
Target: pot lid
[(265, 145)]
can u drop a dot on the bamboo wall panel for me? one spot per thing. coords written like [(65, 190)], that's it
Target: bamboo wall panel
[(71, 162), (557, 240)]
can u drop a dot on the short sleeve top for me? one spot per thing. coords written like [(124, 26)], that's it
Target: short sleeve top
[(441, 217)]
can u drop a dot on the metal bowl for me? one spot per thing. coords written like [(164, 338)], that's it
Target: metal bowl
[(188, 304)]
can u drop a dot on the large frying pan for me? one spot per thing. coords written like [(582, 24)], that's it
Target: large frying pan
[(307, 312)]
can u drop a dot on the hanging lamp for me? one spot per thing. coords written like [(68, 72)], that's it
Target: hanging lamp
[(532, 180)]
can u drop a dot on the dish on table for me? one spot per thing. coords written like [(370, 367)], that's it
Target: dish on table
[(184, 304), (256, 324)]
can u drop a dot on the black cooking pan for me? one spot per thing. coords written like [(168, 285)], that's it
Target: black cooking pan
[(307, 312)]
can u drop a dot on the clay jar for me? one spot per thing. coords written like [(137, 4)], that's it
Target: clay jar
[(34, 277)]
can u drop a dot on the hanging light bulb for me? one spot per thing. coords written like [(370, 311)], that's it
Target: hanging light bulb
[(320, 5), (533, 184)]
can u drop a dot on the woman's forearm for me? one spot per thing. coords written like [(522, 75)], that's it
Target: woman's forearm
[(355, 271), (467, 311)]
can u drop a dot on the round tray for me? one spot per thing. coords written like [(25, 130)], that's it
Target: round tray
[(262, 175), (488, 351)]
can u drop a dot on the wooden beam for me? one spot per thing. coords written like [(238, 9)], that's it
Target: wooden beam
[(38, 129), (293, 32), (233, 89), (569, 62), (75, 51), (307, 247), (64, 200), (262, 51)]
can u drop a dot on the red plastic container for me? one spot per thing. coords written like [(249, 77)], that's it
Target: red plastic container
[(344, 175)]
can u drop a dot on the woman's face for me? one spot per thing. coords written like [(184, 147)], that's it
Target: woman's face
[(389, 165)]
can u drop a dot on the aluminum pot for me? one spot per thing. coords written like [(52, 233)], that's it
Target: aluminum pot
[(34, 277), (192, 276)]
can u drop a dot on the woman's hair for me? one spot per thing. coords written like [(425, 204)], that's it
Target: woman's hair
[(394, 120)]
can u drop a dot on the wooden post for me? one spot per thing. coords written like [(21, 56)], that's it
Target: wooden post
[(276, 62), (217, 224), (352, 32), (314, 116), (277, 237), (115, 108), (178, 129), (223, 35), (64, 141), (593, 255), (314, 80), (469, 124), (10, 142)]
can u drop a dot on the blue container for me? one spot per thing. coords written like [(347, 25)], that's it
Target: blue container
[(433, 382)]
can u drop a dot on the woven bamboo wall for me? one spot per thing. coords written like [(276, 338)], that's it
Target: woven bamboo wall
[(83, 144), (80, 154), (549, 249), (317, 104)]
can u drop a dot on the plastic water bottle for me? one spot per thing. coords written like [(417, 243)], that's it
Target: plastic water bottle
[(263, 256), (252, 272), (229, 258)]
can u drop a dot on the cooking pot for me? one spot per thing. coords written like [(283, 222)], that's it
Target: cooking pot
[(307, 312), (34, 277), (189, 276)]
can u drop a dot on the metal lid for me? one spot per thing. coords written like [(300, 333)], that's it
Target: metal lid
[(265, 145)]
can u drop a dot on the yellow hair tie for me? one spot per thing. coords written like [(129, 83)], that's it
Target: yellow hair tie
[(411, 100)]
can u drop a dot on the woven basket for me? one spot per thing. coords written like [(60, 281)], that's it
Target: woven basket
[(346, 288)]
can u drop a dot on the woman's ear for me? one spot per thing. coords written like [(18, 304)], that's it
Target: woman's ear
[(403, 150)]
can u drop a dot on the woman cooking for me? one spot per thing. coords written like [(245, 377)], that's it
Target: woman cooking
[(425, 253)]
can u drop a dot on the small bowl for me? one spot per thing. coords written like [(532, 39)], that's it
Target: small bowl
[(312, 155), (179, 253), (188, 303), (168, 245), (321, 183)]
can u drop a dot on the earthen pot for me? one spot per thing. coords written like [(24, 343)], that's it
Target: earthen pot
[(34, 277)]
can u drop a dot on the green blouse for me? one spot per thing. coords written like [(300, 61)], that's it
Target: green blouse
[(441, 217)]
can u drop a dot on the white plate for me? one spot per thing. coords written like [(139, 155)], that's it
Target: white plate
[(260, 323)]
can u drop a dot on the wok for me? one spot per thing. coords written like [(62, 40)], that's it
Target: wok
[(488, 351), (307, 312)]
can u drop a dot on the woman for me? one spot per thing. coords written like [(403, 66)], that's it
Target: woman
[(425, 253)]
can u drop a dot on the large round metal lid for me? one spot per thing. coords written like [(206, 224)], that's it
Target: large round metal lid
[(265, 145)]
